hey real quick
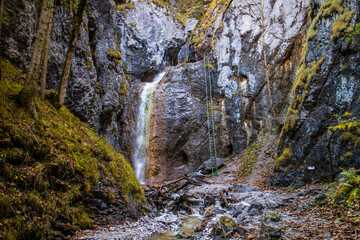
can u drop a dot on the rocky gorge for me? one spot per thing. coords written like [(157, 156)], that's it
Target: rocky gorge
[(122, 46), (283, 67)]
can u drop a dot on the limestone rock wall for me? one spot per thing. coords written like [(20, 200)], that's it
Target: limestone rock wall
[(178, 129), (333, 89), (238, 53)]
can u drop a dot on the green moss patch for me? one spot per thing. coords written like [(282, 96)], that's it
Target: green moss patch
[(305, 72), (177, 16), (215, 9), (341, 24), (300, 92), (114, 55), (49, 165), (124, 8), (285, 156), (248, 160)]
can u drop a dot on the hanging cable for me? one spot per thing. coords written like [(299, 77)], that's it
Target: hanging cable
[(207, 110), (212, 121), (210, 116)]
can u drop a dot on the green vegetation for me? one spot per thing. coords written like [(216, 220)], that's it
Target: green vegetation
[(273, 216), (3, 18), (49, 165), (72, 4), (285, 157), (124, 85), (249, 158), (348, 190), (350, 127), (355, 32), (164, 4), (300, 92), (215, 9), (227, 222), (89, 65), (305, 73), (342, 199), (125, 7), (192, 8), (117, 58), (114, 55), (341, 24)]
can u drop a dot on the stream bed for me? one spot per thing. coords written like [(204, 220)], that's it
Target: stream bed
[(248, 213)]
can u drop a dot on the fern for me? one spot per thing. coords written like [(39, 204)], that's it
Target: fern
[(348, 191)]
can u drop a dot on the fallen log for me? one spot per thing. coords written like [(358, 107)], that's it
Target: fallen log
[(171, 182), (183, 184), (224, 200), (193, 200), (192, 181)]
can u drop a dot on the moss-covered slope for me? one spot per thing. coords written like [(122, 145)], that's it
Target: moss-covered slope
[(50, 166)]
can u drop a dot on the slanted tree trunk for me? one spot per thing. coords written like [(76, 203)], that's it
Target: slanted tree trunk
[(26, 97), (2, 2), (262, 24), (1, 22), (70, 53), (46, 55)]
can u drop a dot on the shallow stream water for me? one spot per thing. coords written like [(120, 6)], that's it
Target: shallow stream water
[(249, 212)]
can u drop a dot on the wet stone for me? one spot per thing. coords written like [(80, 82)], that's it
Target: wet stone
[(271, 226), (208, 165), (242, 188)]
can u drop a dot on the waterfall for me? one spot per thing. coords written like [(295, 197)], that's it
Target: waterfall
[(141, 157)]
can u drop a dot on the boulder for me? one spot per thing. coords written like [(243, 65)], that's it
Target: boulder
[(208, 165), (271, 226), (225, 228)]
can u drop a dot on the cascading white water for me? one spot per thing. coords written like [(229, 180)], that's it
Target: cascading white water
[(140, 157)]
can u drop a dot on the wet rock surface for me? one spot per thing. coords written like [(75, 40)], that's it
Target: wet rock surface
[(178, 141), (208, 207), (252, 213), (211, 164)]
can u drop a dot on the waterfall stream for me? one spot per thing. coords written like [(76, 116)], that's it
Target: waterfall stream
[(140, 157)]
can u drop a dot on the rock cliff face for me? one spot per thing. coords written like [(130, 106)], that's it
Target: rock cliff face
[(122, 46), (146, 37), (325, 85), (238, 52), (178, 129)]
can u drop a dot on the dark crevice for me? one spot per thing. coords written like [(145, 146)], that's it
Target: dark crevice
[(183, 158), (92, 43)]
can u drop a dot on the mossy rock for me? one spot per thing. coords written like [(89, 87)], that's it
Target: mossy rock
[(53, 97), (227, 222)]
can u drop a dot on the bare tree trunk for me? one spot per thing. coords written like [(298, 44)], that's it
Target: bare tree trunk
[(2, 2), (46, 55), (70, 53), (265, 58), (27, 95), (328, 145), (1, 22)]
